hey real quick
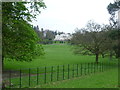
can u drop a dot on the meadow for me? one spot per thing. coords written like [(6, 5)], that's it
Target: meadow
[(107, 79), (62, 54), (54, 55)]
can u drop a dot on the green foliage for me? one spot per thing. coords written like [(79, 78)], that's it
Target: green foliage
[(114, 35), (18, 43), (115, 32), (113, 7), (19, 38), (38, 51)]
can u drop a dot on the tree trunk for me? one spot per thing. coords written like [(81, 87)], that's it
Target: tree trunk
[(97, 58), (3, 83), (2, 62), (119, 48), (1, 71), (103, 55), (111, 54)]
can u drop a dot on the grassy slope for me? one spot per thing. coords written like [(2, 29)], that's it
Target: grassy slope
[(55, 55), (107, 79), (62, 54)]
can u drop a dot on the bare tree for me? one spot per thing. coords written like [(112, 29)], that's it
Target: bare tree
[(91, 40)]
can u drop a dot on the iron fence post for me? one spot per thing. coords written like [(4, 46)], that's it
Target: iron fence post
[(45, 76), (57, 72), (51, 73), (88, 68), (73, 70), (77, 70), (20, 78), (29, 77), (85, 68), (10, 78), (37, 76), (81, 69), (68, 71), (63, 72)]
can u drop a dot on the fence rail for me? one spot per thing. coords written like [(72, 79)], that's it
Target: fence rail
[(36, 76)]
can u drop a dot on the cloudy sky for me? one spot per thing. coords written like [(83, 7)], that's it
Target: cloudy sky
[(66, 15)]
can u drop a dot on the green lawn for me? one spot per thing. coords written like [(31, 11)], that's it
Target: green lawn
[(107, 79), (63, 55), (55, 55)]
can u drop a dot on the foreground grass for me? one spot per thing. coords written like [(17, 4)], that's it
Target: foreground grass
[(107, 79), (94, 78), (55, 55), (27, 80)]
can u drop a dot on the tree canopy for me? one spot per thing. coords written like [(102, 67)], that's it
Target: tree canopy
[(112, 8), (19, 38), (91, 40), (115, 31)]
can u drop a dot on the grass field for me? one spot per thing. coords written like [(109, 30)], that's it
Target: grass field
[(54, 76), (63, 55), (108, 79), (55, 55)]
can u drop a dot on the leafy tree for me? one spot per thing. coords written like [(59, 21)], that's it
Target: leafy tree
[(19, 38), (39, 33), (114, 35), (50, 35), (46, 36), (90, 40), (112, 8), (115, 31)]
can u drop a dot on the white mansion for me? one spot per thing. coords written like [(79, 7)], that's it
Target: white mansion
[(63, 37)]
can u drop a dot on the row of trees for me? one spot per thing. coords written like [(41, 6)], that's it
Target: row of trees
[(46, 36)]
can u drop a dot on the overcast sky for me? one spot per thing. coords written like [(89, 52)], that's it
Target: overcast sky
[(66, 15)]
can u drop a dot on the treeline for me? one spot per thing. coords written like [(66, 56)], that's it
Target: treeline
[(46, 36)]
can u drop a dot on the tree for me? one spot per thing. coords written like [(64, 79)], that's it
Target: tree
[(90, 40), (114, 35), (50, 35), (115, 32), (46, 36), (19, 38), (39, 33), (112, 8)]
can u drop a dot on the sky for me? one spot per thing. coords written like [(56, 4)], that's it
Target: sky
[(67, 15)]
